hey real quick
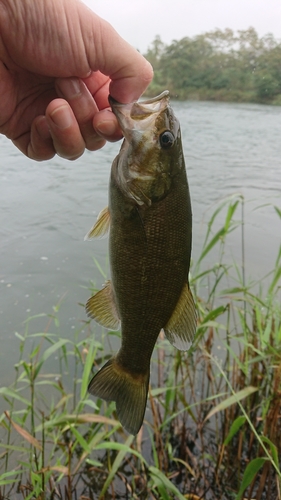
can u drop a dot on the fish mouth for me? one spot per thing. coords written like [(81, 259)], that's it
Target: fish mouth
[(159, 97), (138, 115), (114, 103)]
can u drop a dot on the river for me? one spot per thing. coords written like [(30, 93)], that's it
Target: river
[(47, 208)]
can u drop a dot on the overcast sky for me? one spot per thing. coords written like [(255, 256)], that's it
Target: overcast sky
[(138, 21)]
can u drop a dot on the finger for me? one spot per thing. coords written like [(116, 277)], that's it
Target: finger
[(67, 138), (106, 125), (127, 85), (41, 145), (105, 122), (98, 86), (84, 108)]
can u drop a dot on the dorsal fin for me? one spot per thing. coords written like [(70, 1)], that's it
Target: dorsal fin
[(101, 226)]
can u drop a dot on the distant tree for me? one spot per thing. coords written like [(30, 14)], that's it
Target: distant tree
[(219, 65), (155, 51)]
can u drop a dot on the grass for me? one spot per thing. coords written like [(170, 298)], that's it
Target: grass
[(212, 428)]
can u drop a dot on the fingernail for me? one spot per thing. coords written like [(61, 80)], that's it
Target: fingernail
[(62, 117), (69, 87), (106, 128)]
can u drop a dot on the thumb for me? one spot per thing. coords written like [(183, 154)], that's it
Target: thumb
[(130, 73)]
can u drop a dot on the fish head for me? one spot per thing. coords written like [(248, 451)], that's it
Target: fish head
[(151, 153)]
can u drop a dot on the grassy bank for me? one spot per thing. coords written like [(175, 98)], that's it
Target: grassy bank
[(212, 427)]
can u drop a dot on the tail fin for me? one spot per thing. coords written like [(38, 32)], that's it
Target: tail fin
[(129, 391)]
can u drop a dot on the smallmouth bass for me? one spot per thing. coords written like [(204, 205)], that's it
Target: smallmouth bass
[(150, 228)]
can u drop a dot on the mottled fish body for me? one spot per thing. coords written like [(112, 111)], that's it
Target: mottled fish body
[(150, 229)]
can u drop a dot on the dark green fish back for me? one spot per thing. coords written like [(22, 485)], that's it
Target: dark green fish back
[(149, 253)]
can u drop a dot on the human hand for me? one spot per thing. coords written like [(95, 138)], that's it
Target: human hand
[(58, 63)]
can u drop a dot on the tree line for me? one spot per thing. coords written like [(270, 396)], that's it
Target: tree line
[(218, 65)]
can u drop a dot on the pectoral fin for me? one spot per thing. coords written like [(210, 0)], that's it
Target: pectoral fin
[(181, 327), (101, 307), (101, 227)]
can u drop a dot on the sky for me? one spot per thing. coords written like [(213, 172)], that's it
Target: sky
[(139, 21)]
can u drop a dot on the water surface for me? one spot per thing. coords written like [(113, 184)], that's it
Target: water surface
[(47, 208)]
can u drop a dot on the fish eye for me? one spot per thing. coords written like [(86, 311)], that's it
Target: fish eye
[(166, 139)]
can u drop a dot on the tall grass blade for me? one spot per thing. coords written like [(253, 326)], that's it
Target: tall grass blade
[(229, 215), (117, 463), (231, 400), (11, 393), (99, 268), (87, 370), (68, 419), (49, 352), (24, 433), (235, 426), (277, 277), (83, 443), (213, 314), (278, 211), (249, 475), (159, 478), (273, 449), (218, 236), (4, 478), (120, 447)]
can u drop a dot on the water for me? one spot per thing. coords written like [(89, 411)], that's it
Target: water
[(47, 208)]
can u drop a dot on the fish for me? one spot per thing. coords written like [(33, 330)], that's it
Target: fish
[(149, 220)]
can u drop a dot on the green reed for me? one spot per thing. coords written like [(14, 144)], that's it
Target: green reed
[(212, 428)]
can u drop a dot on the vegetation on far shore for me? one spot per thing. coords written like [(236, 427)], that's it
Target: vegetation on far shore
[(220, 66), (213, 423)]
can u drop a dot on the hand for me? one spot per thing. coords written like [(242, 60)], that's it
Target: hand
[(58, 63)]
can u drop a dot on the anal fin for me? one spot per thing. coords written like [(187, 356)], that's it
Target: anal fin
[(101, 307), (181, 327)]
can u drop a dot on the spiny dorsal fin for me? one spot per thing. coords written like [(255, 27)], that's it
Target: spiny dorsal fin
[(101, 227), (113, 383), (181, 327), (101, 307)]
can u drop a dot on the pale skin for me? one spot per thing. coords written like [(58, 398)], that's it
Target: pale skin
[(58, 63)]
